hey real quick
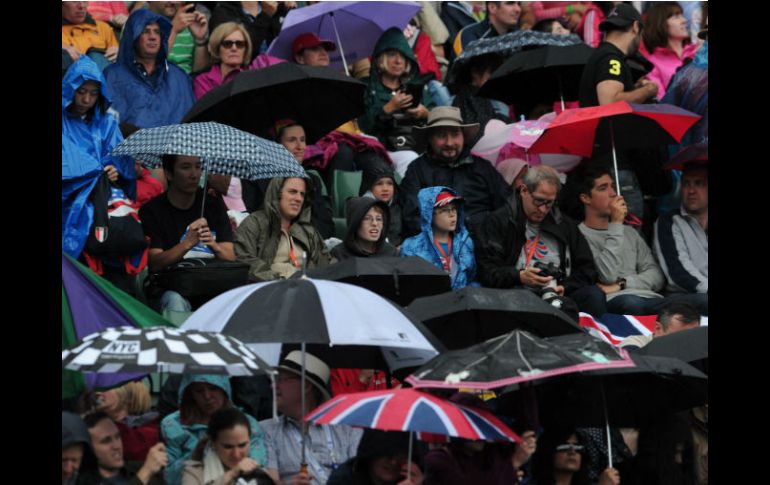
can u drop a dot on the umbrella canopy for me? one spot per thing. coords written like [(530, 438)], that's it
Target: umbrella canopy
[(223, 150), (353, 26), (691, 346), (91, 304), (578, 131), (343, 325), (504, 141), (634, 396), (318, 98), (397, 279), (161, 349), (698, 152), (541, 75), (471, 315), (504, 46), (517, 357), (411, 410)]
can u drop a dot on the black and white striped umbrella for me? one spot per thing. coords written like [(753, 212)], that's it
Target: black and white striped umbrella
[(342, 324), (223, 150), (162, 349)]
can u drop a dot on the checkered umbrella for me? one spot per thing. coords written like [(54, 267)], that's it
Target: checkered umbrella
[(161, 349), (223, 150)]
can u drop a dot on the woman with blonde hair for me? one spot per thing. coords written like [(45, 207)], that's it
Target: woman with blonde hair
[(230, 48), (129, 406)]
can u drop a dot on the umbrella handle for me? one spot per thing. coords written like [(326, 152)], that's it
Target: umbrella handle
[(607, 423), (614, 159), (409, 459), (205, 187)]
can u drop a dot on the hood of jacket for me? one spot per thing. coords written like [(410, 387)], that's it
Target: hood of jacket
[(393, 38), (370, 177), (221, 381), (272, 201), (356, 209), (82, 70), (427, 198), (134, 27), (73, 430)]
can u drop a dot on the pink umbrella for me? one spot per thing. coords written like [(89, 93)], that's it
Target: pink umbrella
[(502, 142)]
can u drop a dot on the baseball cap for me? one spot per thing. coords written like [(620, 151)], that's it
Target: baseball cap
[(309, 40), (621, 16)]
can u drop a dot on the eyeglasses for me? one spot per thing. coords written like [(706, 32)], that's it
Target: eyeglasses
[(570, 447), (446, 210), (543, 202), (372, 220), (240, 44)]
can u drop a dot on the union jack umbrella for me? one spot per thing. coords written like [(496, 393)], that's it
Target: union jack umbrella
[(411, 410)]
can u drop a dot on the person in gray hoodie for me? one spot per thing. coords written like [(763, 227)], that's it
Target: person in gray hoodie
[(75, 445), (368, 220)]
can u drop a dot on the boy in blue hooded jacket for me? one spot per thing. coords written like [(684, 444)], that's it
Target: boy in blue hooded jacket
[(444, 240)]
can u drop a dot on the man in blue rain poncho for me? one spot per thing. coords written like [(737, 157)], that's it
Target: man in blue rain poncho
[(147, 90)]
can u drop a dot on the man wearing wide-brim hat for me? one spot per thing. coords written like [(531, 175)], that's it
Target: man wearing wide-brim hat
[(326, 446), (447, 161)]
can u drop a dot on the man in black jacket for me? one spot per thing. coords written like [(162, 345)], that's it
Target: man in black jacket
[(528, 232), (448, 162)]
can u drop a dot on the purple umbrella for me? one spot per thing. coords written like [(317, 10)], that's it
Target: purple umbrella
[(91, 304), (354, 26)]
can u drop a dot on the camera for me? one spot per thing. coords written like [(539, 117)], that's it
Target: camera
[(548, 293)]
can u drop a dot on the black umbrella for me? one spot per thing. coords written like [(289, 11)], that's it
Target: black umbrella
[(517, 357), (545, 74), (472, 315), (397, 279), (318, 98), (634, 396), (691, 346)]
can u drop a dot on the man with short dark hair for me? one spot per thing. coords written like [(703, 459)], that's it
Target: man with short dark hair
[(448, 162), (607, 76), (674, 317), (147, 91), (176, 229), (310, 50), (529, 231), (502, 18), (326, 446), (111, 467), (628, 272), (682, 243)]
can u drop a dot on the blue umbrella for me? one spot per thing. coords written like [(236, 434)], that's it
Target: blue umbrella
[(355, 26), (222, 149)]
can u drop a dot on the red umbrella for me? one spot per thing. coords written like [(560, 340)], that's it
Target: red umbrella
[(579, 131), (698, 152)]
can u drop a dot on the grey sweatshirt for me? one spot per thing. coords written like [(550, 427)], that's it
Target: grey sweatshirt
[(620, 252)]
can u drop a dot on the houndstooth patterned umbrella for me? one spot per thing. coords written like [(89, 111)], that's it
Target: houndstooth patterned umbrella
[(505, 46), (162, 349), (224, 150)]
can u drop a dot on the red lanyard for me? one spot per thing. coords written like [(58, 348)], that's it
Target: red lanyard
[(532, 250), (291, 252), (445, 260)]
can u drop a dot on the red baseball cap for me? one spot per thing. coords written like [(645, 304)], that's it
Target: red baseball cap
[(445, 197), (309, 40)]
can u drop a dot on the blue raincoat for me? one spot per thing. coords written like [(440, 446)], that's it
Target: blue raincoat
[(87, 144), (181, 439), (134, 97), (463, 266)]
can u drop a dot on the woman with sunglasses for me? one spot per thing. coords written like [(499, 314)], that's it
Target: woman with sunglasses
[(230, 49), (560, 460)]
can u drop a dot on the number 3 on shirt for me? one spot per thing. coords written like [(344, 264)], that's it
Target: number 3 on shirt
[(614, 67)]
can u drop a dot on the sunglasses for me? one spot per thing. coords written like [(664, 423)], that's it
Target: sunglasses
[(570, 447), (240, 44)]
